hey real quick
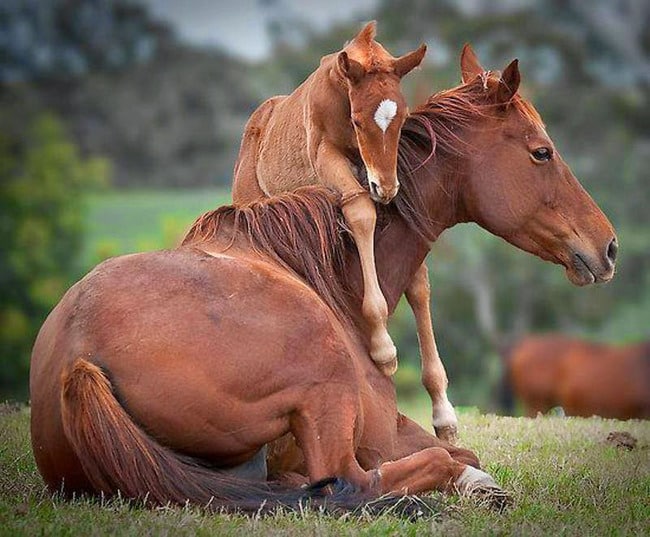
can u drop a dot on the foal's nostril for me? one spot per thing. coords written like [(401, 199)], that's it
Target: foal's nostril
[(373, 189), (612, 250)]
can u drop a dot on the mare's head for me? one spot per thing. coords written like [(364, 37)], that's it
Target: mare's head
[(517, 185), (378, 108)]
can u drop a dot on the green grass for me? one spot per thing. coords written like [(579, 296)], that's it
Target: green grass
[(126, 221), (564, 478)]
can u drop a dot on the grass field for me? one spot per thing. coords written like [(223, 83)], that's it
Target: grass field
[(125, 221), (564, 478)]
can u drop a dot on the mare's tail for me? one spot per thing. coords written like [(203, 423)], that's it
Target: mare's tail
[(118, 456)]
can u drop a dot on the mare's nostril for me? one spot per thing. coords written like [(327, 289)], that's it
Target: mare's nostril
[(612, 251)]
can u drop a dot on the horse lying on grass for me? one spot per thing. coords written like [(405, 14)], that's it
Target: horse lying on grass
[(584, 378), (159, 370)]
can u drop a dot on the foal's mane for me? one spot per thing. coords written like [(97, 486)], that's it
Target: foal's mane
[(304, 231)]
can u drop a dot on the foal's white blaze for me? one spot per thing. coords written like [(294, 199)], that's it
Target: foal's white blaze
[(385, 113)]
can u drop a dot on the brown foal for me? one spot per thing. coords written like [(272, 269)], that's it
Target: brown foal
[(346, 115)]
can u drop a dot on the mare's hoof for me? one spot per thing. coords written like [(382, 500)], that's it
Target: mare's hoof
[(448, 433), (492, 497), (478, 485)]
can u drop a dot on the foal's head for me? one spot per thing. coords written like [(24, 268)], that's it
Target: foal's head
[(378, 108), (518, 186)]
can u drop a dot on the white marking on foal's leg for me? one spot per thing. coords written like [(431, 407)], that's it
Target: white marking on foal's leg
[(385, 113)]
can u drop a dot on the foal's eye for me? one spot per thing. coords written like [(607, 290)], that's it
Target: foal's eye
[(542, 154), (356, 123)]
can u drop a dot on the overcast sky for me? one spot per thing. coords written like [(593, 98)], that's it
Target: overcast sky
[(240, 25)]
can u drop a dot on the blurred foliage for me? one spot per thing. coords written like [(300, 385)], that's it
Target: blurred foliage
[(164, 113), (69, 38), (43, 181)]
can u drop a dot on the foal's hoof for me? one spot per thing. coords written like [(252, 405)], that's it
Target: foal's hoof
[(385, 357), (388, 369), (448, 433)]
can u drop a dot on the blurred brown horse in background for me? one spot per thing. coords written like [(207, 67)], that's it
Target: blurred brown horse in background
[(158, 371), (584, 378)]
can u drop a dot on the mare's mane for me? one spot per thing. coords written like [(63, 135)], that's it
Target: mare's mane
[(304, 231)]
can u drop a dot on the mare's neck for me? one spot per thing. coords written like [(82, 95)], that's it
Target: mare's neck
[(399, 249)]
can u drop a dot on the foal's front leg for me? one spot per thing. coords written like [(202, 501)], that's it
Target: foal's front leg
[(361, 217), (434, 376)]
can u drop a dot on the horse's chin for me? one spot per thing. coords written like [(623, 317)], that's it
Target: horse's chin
[(579, 277), (580, 273), (583, 270)]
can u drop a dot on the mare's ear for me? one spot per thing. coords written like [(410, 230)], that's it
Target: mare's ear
[(350, 68), (367, 34), (410, 61), (470, 67), (508, 83)]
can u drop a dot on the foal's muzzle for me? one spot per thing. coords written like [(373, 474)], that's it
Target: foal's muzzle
[(381, 195)]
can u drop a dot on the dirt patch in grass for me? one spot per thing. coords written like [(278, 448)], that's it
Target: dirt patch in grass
[(621, 440)]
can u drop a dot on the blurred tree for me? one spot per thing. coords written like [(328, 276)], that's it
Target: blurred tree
[(164, 113), (62, 39), (42, 183)]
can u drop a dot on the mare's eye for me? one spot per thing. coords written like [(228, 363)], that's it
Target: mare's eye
[(542, 154)]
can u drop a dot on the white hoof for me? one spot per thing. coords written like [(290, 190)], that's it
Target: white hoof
[(444, 420), (480, 485)]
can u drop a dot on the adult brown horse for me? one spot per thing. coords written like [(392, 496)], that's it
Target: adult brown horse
[(526, 207), (251, 329), (347, 113), (582, 377)]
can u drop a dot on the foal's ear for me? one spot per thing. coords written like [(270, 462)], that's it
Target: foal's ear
[(508, 83), (367, 33), (410, 61), (470, 67), (351, 69)]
